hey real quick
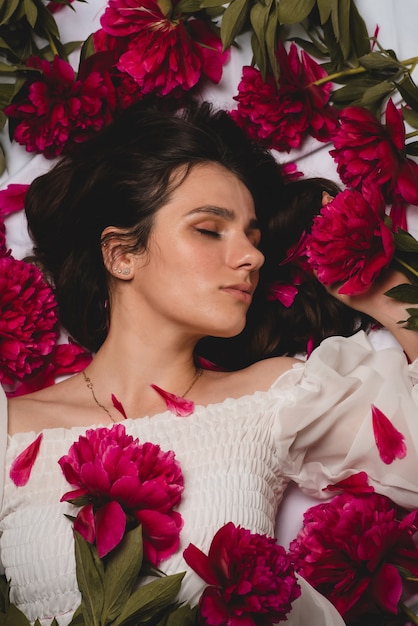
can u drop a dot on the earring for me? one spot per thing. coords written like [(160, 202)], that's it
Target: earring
[(126, 271)]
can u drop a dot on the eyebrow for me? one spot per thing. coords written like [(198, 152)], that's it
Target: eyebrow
[(224, 213)]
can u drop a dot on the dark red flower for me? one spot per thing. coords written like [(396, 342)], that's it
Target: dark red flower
[(119, 483), (57, 109), (368, 152), (162, 53), (251, 579), (283, 116), (28, 320), (350, 242), (352, 550)]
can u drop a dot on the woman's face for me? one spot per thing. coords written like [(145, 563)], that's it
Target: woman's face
[(202, 264)]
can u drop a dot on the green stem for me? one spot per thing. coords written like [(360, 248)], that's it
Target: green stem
[(360, 70), (410, 614), (406, 266), (411, 134)]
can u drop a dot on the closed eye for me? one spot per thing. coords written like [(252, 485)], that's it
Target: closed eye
[(209, 233)]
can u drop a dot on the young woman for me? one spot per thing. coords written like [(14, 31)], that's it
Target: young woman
[(153, 235)]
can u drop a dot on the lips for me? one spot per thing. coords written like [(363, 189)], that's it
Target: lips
[(240, 291)]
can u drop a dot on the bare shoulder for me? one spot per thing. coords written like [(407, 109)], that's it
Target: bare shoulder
[(257, 377), (47, 408)]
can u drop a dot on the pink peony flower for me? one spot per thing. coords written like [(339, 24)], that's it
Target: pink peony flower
[(350, 243), (251, 579), (353, 548), (28, 320), (59, 110), (282, 117), (164, 52), (367, 152), (21, 467), (120, 483), (65, 359), (389, 441)]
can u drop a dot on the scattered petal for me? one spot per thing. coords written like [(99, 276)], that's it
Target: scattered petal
[(118, 406), (180, 406), (356, 483), (389, 441), (22, 465)]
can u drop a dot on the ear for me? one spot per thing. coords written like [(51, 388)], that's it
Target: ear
[(118, 262)]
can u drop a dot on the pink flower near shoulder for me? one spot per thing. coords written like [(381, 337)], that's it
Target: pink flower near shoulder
[(350, 242), (21, 467), (120, 483), (28, 320), (165, 52), (353, 550), (368, 152), (389, 441), (283, 116), (250, 578), (57, 109)]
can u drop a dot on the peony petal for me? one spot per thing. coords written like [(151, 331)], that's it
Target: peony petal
[(118, 406), (180, 406), (110, 527), (389, 441), (22, 465), (285, 294), (356, 483), (84, 523), (387, 588), (200, 563)]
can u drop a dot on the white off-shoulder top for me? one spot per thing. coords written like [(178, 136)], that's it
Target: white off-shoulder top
[(313, 426)]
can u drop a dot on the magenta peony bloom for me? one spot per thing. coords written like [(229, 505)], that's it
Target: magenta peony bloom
[(350, 243), (58, 110), (350, 549), (251, 579), (282, 117), (28, 320), (120, 483), (366, 152), (162, 53)]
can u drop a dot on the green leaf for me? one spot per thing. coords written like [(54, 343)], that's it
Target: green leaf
[(90, 577), (211, 4), (149, 598), (409, 91), (404, 293), (259, 17), (271, 40), (362, 92), (412, 148), (341, 23), (410, 117), (380, 62), (165, 6), (188, 6), (405, 242), (412, 321), (182, 616), (31, 12), (121, 573), (359, 34), (294, 11), (325, 9), (15, 617), (7, 10), (78, 618), (233, 21)]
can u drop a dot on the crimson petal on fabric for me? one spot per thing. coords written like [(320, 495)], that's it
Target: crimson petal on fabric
[(118, 406), (12, 198), (180, 406), (110, 527), (389, 441), (22, 465), (356, 483)]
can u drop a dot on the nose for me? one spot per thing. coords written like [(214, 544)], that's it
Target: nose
[(247, 256)]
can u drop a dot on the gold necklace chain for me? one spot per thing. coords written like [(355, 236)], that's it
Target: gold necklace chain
[(89, 385)]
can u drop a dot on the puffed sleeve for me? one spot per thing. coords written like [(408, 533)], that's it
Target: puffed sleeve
[(328, 423), (3, 439)]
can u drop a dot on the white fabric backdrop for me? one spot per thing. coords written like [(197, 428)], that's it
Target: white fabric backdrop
[(397, 20)]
